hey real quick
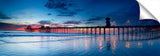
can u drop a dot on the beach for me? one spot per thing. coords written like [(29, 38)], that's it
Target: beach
[(61, 44)]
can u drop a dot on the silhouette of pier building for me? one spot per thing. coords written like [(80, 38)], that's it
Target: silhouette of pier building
[(29, 28), (42, 29), (98, 29), (108, 22)]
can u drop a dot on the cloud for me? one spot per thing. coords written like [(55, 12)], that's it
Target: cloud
[(58, 4), (66, 13), (49, 4), (3, 16), (55, 25), (49, 14), (44, 22), (89, 22), (62, 6), (7, 26), (79, 9), (72, 22), (54, 4), (96, 19)]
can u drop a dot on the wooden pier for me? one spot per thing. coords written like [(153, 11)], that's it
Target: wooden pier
[(97, 30)]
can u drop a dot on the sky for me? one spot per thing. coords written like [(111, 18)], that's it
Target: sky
[(17, 14)]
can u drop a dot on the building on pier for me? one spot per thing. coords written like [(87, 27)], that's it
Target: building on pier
[(108, 24)]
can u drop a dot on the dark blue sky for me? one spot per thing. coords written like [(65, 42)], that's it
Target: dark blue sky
[(70, 12)]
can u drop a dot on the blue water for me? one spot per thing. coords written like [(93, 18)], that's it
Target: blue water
[(20, 43)]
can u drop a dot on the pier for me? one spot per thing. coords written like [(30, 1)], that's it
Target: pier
[(108, 29), (97, 30)]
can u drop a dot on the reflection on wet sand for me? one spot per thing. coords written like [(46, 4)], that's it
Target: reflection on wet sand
[(100, 43), (127, 44), (138, 37), (84, 44), (140, 44), (114, 43)]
